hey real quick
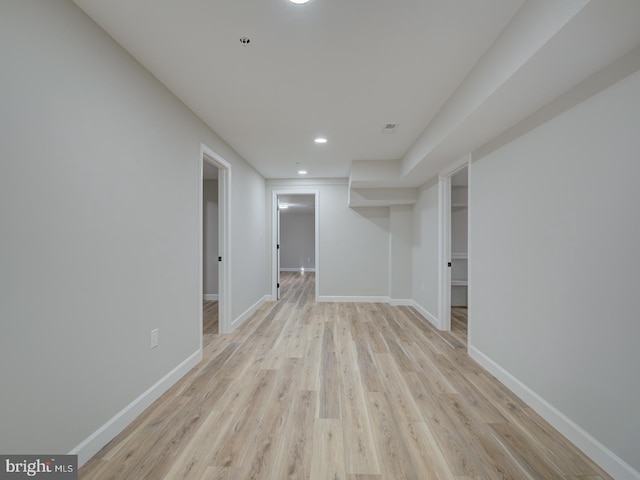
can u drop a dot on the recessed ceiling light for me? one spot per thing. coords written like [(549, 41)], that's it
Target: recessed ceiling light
[(302, 172), (283, 206), (320, 140), (299, 2)]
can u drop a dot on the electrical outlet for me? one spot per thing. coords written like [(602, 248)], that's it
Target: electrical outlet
[(154, 338)]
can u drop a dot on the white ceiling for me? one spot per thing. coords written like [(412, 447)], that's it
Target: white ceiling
[(343, 69)]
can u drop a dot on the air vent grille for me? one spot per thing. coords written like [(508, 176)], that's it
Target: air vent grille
[(389, 128)]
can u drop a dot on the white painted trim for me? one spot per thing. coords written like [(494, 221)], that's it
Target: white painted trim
[(401, 302), (224, 239), (291, 190), (297, 270), (348, 299), (426, 314), (444, 252), (605, 458), (210, 297), (107, 432), (249, 311)]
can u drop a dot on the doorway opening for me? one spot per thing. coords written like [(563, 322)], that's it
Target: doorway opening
[(459, 253), (295, 238), (210, 226), (215, 195), (453, 248)]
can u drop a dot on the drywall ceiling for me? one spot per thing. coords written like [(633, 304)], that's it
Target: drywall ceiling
[(452, 74), (338, 69)]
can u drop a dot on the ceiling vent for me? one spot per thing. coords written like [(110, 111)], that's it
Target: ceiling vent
[(389, 128)]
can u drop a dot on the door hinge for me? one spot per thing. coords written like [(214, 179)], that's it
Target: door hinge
[(278, 285), (278, 247), (449, 264), (219, 259)]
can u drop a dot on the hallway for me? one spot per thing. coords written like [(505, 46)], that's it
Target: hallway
[(338, 391)]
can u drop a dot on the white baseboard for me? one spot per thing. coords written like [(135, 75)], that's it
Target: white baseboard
[(249, 311), (347, 299), (107, 432), (426, 314), (211, 297), (605, 458), (296, 269), (401, 302)]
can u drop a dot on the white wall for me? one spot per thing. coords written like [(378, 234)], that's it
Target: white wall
[(297, 240), (101, 219), (210, 237), (554, 262), (425, 251), (400, 253), (354, 243)]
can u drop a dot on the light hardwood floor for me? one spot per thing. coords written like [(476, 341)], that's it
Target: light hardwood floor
[(209, 319), (311, 390)]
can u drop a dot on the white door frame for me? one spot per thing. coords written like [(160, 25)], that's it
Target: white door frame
[(444, 241), (277, 249), (224, 239), (274, 235)]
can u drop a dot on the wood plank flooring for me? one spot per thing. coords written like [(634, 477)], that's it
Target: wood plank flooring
[(306, 390), (209, 319)]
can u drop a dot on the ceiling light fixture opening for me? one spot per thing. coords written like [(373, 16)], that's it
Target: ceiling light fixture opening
[(302, 172), (299, 2), (320, 140), (283, 206)]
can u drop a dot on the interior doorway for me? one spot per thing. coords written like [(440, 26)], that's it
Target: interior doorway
[(215, 291), (453, 246), (295, 236), (210, 226), (459, 252)]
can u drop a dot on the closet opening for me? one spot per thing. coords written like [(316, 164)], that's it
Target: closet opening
[(453, 249), (459, 253)]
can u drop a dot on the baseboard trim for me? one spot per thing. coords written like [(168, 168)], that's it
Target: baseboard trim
[(211, 297), (348, 299), (107, 432), (248, 312), (297, 269), (605, 458), (426, 314), (401, 302)]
